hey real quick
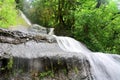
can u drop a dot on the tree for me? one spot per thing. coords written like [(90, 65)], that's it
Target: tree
[(99, 27), (53, 13), (8, 13), (94, 22)]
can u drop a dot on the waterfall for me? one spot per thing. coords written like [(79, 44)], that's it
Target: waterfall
[(103, 66), (33, 28), (25, 18)]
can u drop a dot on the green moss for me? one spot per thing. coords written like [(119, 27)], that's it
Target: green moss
[(10, 63), (76, 70), (45, 74), (64, 71)]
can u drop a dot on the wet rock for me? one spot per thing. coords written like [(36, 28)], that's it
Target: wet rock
[(33, 29), (38, 57)]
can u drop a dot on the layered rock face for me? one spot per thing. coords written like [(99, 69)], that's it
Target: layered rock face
[(25, 56)]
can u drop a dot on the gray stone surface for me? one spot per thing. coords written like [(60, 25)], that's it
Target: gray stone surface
[(35, 57)]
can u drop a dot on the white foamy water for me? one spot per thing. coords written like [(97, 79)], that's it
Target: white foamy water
[(103, 66), (25, 18)]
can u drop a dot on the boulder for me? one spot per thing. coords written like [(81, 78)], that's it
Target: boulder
[(26, 56)]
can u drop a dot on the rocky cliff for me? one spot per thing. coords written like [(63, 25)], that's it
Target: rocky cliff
[(26, 56)]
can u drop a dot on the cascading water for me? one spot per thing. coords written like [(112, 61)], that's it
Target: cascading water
[(25, 18), (32, 28), (103, 66)]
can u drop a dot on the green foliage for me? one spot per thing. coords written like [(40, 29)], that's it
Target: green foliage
[(10, 63), (20, 21), (96, 23), (99, 28), (40, 13), (7, 13), (76, 70), (47, 73), (51, 13), (64, 71)]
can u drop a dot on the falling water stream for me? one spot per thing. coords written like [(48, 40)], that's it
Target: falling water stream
[(103, 66), (25, 18)]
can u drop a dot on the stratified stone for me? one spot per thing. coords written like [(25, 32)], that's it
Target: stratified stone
[(39, 59)]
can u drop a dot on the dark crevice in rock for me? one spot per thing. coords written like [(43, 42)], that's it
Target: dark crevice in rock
[(88, 67)]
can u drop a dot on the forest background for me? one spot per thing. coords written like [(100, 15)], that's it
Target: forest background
[(96, 23)]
